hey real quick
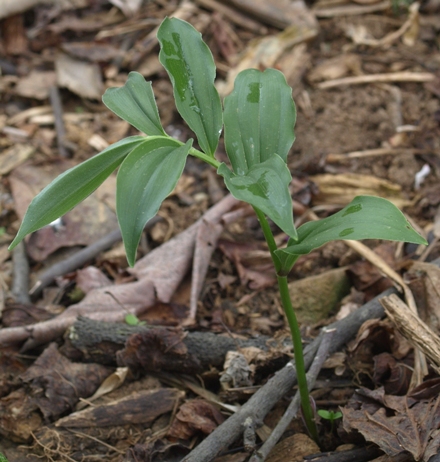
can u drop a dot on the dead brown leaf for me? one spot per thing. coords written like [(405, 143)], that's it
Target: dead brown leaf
[(86, 223), (36, 84), (393, 375), (80, 77), (195, 416), (395, 423), (157, 350), (57, 384), (19, 416)]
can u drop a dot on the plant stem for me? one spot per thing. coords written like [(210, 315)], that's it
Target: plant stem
[(294, 329), (208, 159), (299, 357)]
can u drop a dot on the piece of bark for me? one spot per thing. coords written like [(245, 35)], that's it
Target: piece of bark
[(56, 384), (138, 408), (154, 348), (413, 329)]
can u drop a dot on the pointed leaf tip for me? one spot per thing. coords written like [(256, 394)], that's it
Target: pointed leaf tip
[(366, 217), (191, 68), (72, 187), (134, 102)]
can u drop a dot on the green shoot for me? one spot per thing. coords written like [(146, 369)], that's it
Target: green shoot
[(258, 120)]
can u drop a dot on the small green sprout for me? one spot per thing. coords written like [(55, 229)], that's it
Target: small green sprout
[(132, 320), (258, 120), (330, 416), (3, 458)]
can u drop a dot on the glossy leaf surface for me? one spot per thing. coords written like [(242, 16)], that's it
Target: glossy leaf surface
[(145, 179), (191, 68), (265, 186), (73, 186), (366, 217), (135, 103), (259, 119)]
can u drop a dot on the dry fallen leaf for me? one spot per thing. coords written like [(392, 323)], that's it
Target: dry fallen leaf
[(395, 423), (86, 223), (341, 188), (36, 84), (195, 416), (79, 77)]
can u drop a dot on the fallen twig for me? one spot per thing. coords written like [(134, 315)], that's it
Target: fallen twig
[(351, 10), (80, 258), (20, 275), (379, 78), (333, 157), (57, 107)]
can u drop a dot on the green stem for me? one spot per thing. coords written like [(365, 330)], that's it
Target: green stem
[(205, 157), (299, 357), (294, 329)]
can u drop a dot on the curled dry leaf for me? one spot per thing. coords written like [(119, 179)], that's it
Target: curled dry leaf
[(57, 383), (80, 77), (395, 423), (195, 416)]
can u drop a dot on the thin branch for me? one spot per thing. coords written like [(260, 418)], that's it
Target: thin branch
[(404, 76)]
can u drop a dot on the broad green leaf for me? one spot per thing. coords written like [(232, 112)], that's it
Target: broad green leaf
[(134, 102), (191, 68), (73, 186), (259, 119), (265, 186), (366, 217), (146, 177)]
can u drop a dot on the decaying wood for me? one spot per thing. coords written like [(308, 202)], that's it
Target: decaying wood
[(413, 329), (155, 349), (20, 280), (281, 383), (139, 407)]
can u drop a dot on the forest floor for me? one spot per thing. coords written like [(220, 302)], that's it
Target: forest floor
[(99, 361)]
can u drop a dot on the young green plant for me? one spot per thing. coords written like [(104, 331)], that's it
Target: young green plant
[(331, 416), (258, 121)]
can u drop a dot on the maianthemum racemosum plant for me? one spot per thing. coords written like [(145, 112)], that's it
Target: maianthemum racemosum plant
[(258, 121)]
